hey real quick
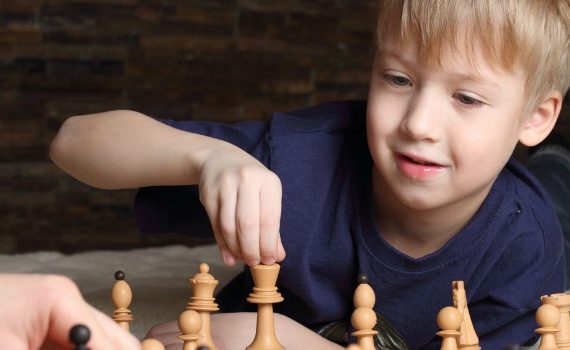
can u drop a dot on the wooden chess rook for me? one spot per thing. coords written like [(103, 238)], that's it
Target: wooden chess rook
[(121, 295), (202, 301), (265, 295), (363, 317)]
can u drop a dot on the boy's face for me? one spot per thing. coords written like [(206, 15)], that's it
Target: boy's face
[(439, 135)]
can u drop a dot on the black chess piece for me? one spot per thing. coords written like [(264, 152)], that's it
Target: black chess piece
[(79, 336), (119, 275), (362, 278)]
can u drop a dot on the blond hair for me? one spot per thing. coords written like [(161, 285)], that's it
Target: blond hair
[(532, 34)]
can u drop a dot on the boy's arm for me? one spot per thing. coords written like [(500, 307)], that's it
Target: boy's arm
[(125, 149)]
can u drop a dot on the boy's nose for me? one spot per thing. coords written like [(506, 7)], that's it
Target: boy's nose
[(421, 120)]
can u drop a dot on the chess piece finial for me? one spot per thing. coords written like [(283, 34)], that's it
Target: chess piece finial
[(119, 275), (121, 295), (151, 344), (449, 321), (468, 339), (362, 278), (265, 295), (203, 285), (79, 336), (189, 324), (562, 302), (363, 317), (547, 317)]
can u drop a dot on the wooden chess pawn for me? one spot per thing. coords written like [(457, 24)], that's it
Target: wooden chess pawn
[(121, 295), (189, 324), (363, 317), (547, 317), (151, 344), (202, 301), (562, 302), (265, 295), (449, 321)]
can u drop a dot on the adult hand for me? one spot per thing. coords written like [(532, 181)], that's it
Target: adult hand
[(38, 311)]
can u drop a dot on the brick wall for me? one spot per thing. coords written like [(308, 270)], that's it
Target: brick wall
[(204, 59)]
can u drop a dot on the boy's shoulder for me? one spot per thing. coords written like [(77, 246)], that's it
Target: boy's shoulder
[(324, 117), (529, 195)]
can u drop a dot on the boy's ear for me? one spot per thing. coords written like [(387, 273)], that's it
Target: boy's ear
[(541, 120)]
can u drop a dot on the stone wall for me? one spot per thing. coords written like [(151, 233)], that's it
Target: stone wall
[(205, 59)]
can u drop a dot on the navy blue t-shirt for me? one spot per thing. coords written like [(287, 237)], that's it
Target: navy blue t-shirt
[(508, 255)]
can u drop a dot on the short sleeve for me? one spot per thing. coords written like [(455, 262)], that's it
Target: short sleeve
[(177, 209)]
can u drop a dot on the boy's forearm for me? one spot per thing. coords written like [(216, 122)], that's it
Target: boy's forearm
[(126, 149)]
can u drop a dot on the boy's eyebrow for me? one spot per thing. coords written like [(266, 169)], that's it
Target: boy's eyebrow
[(456, 76)]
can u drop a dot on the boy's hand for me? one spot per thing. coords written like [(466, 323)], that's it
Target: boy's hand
[(243, 201)]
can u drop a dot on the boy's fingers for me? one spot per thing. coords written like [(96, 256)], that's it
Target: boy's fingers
[(227, 220), (270, 216), (247, 224), (211, 207), (280, 250)]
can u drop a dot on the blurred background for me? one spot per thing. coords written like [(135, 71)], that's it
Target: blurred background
[(224, 60)]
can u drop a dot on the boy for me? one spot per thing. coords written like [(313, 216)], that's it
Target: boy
[(413, 188)]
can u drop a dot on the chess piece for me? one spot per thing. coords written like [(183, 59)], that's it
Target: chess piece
[(363, 317), (79, 336), (562, 302), (202, 301), (265, 295), (468, 339), (151, 344), (121, 295), (449, 321), (547, 317), (353, 347), (189, 324)]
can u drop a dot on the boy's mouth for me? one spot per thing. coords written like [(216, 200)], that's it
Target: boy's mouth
[(417, 160), (417, 168)]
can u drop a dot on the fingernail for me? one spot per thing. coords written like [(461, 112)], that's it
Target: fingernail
[(252, 262), (228, 258), (268, 261)]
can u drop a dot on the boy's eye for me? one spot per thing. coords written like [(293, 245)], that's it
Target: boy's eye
[(397, 80), (468, 100)]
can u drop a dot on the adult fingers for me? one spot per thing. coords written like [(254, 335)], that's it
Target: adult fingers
[(117, 335), (68, 309)]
